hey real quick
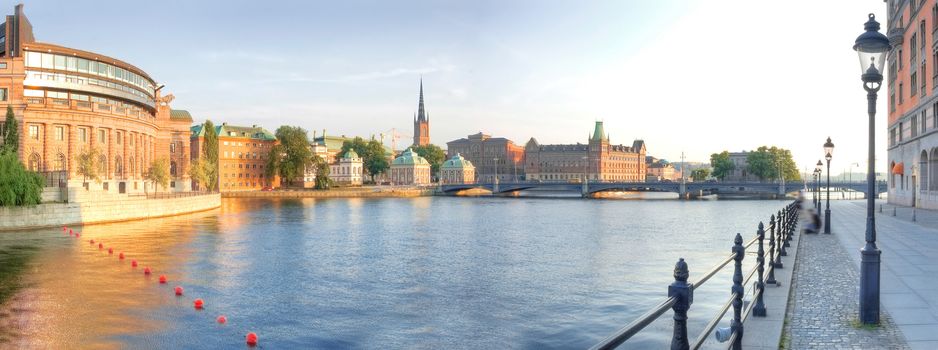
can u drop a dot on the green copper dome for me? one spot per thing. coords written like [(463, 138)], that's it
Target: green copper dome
[(350, 154), (409, 157), (457, 162)]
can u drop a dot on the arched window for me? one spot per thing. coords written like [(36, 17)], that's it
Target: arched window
[(933, 170), (60, 162), (102, 166), (172, 147), (35, 162), (172, 168), (118, 167)]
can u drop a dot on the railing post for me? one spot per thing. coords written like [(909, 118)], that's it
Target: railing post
[(780, 245), (771, 278), (759, 309), (788, 227), (684, 296), (737, 324)]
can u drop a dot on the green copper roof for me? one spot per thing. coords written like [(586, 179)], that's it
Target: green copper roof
[(178, 114), (457, 162), (350, 154), (409, 157), (598, 133), (224, 130)]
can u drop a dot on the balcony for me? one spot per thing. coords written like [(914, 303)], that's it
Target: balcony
[(57, 103)]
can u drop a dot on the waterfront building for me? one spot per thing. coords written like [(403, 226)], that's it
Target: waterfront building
[(457, 170), (68, 101), (740, 171), (661, 171), (410, 169), (309, 172), (242, 156), (421, 122), (490, 155), (596, 160), (347, 170), (912, 151)]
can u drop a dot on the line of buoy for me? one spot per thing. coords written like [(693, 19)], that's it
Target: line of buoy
[(251, 338)]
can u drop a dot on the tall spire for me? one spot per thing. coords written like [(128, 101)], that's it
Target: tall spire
[(421, 112)]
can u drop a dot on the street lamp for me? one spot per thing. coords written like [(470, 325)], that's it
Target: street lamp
[(817, 184), (871, 47), (828, 150)]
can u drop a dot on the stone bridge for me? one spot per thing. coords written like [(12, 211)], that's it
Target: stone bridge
[(692, 188)]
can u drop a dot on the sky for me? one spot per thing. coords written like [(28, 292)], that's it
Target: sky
[(691, 76)]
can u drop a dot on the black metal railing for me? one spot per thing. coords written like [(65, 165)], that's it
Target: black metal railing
[(681, 294), (55, 178)]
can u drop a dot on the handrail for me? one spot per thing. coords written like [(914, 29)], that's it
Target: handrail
[(623, 334), (680, 293)]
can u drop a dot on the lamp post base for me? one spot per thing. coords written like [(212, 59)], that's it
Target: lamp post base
[(869, 284), (827, 221)]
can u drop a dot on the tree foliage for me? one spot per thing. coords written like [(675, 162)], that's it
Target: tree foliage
[(722, 165), (374, 160), (700, 174), (88, 164), (17, 185), (433, 154), (323, 182), (767, 162), (201, 172), (159, 172), (11, 139), (291, 156), (210, 154)]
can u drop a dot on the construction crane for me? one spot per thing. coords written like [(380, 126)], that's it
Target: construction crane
[(394, 135)]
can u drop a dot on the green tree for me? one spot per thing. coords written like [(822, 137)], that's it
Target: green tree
[(11, 139), (374, 160), (159, 172), (323, 182), (291, 156), (88, 164), (433, 154), (210, 154), (700, 174), (200, 171), (721, 164), (18, 186), (769, 162)]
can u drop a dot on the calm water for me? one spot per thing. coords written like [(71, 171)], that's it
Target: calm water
[(424, 273)]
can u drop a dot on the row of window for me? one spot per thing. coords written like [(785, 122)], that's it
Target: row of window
[(242, 144), (81, 65), (35, 78), (243, 175), (245, 155), (35, 133), (914, 126), (79, 97), (244, 166), (244, 184)]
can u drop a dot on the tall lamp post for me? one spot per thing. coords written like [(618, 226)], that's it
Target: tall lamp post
[(817, 184), (871, 47), (828, 150)]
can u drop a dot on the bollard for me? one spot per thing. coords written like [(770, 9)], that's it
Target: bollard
[(771, 278), (893, 211), (737, 324), (684, 296), (759, 309), (880, 208), (913, 214)]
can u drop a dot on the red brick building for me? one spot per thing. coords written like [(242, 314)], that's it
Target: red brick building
[(597, 160), (242, 156)]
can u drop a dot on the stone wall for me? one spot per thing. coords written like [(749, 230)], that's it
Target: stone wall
[(363, 192), (89, 207)]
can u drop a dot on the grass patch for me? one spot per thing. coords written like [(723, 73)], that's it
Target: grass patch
[(855, 323)]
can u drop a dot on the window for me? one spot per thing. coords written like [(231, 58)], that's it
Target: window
[(899, 58), (83, 134), (923, 77), (3, 94), (59, 133), (914, 84), (102, 137), (34, 132), (33, 93), (914, 126), (117, 137), (923, 121), (900, 93), (172, 147), (912, 49)]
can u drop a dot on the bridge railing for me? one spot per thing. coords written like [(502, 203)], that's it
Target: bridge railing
[(681, 293)]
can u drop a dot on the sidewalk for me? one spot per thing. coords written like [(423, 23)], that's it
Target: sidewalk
[(909, 291), (824, 302)]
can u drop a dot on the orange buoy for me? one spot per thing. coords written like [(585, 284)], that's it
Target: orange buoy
[(198, 303), (121, 256), (77, 234), (146, 270), (100, 245), (110, 250), (178, 290), (221, 319), (251, 338), (133, 263), (162, 279)]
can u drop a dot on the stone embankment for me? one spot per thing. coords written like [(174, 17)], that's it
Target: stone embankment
[(349, 192)]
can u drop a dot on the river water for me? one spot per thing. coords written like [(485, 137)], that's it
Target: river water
[(416, 273)]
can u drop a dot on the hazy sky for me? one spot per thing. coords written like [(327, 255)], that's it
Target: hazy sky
[(693, 76)]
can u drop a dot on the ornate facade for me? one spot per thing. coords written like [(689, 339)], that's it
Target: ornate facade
[(457, 170), (410, 169), (492, 156), (347, 170), (68, 101), (597, 160)]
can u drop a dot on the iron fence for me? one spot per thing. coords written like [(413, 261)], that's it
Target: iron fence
[(681, 293), (55, 178)]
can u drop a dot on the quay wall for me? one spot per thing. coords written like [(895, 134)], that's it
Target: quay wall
[(362, 192), (91, 207)]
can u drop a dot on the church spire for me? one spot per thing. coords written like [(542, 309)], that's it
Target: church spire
[(421, 111)]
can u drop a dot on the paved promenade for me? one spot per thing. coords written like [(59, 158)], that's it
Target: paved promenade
[(909, 290)]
